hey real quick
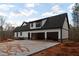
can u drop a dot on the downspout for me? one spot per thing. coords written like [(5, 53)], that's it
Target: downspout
[(61, 40)]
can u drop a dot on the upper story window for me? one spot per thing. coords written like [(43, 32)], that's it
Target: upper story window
[(38, 24), (31, 24)]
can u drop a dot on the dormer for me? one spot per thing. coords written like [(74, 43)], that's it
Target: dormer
[(37, 24)]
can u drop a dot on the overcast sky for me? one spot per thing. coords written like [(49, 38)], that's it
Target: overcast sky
[(16, 13)]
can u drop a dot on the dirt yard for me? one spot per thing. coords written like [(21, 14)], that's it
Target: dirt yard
[(64, 49)]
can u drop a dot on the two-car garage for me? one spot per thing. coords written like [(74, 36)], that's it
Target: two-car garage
[(41, 36)]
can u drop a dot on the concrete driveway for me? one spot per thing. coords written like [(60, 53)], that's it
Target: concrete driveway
[(25, 47)]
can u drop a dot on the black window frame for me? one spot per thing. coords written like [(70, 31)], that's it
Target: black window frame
[(31, 24), (38, 24)]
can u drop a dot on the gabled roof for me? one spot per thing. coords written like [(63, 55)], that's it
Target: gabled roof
[(52, 22), (22, 28), (55, 21), (24, 23)]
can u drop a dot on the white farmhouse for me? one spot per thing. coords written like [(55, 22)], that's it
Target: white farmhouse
[(51, 28)]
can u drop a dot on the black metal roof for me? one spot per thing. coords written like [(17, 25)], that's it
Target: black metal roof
[(52, 22)]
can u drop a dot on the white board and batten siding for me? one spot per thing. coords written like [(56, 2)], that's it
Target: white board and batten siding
[(15, 34), (65, 29), (64, 34), (24, 34)]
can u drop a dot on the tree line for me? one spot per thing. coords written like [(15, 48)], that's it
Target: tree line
[(6, 29), (74, 30)]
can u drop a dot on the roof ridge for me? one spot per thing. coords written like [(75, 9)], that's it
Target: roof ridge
[(48, 17)]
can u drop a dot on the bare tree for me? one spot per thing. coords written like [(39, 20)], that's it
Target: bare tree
[(75, 15), (9, 30), (2, 22), (9, 27)]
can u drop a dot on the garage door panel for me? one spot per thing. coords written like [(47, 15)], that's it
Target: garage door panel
[(52, 36), (37, 36)]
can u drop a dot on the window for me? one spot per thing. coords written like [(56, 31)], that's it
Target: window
[(20, 33), (31, 24), (17, 34), (38, 24)]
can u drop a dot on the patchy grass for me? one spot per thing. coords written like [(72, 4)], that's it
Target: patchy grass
[(64, 49)]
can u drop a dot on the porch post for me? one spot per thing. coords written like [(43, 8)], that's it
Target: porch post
[(45, 35), (30, 36), (61, 35)]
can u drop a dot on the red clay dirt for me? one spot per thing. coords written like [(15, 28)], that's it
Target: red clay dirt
[(63, 49)]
